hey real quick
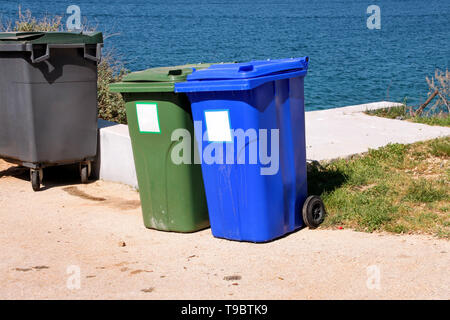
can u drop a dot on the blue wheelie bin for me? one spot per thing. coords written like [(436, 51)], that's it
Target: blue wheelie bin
[(250, 131)]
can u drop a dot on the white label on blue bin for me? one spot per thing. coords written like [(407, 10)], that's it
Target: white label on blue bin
[(218, 126), (147, 115)]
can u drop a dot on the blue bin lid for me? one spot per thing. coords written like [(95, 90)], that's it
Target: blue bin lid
[(242, 76), (253, 69)]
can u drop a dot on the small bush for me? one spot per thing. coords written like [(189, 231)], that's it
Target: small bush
[(27, 23), (111, 106)]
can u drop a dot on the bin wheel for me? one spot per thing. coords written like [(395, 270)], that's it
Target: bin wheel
[(313, 211), (85, 172), (36, 176)]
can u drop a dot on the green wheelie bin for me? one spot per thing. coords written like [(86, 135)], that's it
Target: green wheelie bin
[(172, 193)]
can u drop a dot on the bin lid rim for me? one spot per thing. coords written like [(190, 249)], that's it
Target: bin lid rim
[(142, 87), (51, 37), (248, 70), (235, 84), (164, 74)]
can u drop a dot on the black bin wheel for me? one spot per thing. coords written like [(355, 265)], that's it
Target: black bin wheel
[(313, 211), (85, 172), (36, 176)]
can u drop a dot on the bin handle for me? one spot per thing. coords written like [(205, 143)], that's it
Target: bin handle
[(41, 58), (246, 68), (98, 53), (86, 55)]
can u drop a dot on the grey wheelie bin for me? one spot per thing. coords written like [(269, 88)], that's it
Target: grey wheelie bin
[(48, 100)]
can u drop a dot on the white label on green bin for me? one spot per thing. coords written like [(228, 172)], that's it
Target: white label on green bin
[(147, 116), (218, 126)]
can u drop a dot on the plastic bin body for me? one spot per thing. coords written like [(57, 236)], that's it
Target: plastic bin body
[(244, 204), (48, 108), (172, 195)]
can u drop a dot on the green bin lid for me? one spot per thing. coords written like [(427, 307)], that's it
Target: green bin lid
[(51, 37), (156, 79)]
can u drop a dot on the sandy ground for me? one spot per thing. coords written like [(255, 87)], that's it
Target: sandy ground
[(47, 237)]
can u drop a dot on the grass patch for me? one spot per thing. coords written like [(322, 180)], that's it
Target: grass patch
[(397, 188), (423, 191), (390, 113), (403, 113), (438, 120), (440, 148)]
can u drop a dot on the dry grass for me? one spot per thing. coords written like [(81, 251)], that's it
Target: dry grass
[(26, 22), (435, 114), (441, 118), (441, 83)]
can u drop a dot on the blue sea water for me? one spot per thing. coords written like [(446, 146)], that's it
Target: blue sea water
[(349, 64)]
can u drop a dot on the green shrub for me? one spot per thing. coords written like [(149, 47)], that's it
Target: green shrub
[(111, 106)]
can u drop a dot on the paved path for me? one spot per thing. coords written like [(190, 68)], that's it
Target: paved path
[(342, 132), (97, 228), (45, 233)]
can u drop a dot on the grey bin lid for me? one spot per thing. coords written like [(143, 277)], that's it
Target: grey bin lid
[(27, 41)]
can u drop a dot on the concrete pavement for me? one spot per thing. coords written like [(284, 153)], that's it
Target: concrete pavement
[(341, 132), (75, 241)]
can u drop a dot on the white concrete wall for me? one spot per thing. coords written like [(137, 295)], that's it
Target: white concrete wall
[(115, 161)]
